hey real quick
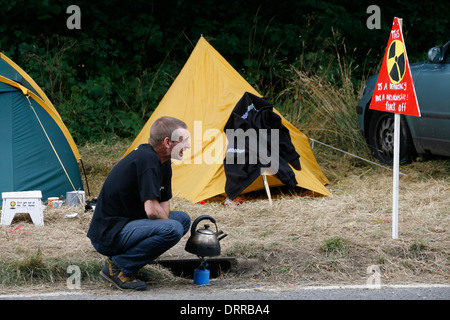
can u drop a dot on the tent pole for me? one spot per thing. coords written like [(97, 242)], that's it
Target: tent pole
[(266, 185)]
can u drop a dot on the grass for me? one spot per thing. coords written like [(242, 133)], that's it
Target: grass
[(300, 239), (335, 245), (34, 268), (321, 101)]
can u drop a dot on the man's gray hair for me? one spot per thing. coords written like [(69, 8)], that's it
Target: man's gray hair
[(164, 127)]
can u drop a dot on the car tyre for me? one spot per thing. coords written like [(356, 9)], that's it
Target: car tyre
[(381, 138)]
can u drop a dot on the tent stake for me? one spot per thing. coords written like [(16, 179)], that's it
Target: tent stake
[(85, 178), (266, 185)]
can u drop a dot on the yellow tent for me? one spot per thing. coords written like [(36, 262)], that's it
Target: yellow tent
[(203, 95)]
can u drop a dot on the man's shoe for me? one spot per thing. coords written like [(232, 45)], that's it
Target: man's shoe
[(113, 274)]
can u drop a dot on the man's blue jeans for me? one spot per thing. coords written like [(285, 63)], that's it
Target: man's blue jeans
[(142, 241)]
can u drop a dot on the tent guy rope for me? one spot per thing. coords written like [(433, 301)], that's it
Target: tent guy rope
[(54, 150), (351, 154)]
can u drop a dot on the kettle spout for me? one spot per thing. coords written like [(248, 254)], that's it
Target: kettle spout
[(220, 235)]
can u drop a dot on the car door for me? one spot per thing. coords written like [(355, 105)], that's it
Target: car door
[(431, 132)]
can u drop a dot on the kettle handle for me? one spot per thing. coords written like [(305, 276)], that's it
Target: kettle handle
[(200, 218)]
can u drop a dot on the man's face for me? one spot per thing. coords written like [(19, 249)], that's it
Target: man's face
[(180, 142)]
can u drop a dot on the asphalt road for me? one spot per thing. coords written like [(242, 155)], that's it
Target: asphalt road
[(223, 300), (219, 291)]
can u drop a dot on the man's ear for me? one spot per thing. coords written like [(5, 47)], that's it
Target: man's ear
[(166, 142)]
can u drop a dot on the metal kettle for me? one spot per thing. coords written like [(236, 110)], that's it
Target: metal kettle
[(204, 242)]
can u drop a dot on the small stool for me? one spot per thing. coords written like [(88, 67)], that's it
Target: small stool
[(22, 202)]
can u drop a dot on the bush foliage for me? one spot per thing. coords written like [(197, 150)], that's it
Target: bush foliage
[(106, 78)]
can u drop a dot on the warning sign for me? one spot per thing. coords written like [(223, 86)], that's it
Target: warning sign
[(394, 91)]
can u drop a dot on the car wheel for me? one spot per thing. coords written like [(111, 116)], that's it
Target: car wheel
[(381, 138)]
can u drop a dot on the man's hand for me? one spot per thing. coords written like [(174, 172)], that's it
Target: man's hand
[(156, 210)]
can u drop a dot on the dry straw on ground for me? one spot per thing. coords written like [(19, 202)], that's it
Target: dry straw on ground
[(301, 238)]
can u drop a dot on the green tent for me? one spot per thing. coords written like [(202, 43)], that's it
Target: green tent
[(37, 151)]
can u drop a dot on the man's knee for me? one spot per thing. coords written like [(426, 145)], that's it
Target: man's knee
[(174, 231), (183, 218)]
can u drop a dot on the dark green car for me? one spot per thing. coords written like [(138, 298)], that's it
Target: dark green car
[(429, 133)]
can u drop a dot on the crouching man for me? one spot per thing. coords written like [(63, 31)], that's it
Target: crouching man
[(132, 224)]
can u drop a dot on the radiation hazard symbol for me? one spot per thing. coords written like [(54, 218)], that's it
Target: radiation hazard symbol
[(394, 91), (396, 62)]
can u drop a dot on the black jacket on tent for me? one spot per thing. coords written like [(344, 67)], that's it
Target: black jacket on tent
[(251, 136)]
